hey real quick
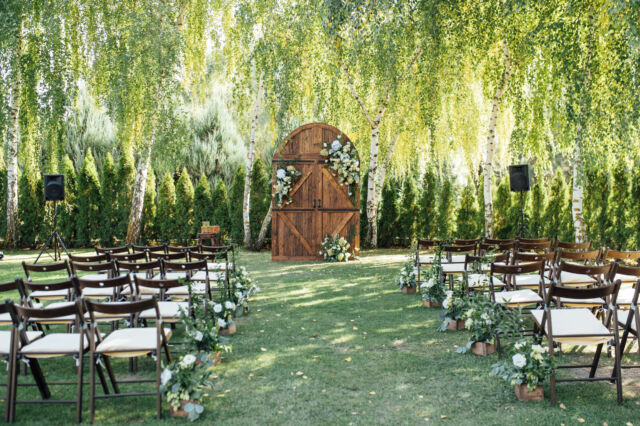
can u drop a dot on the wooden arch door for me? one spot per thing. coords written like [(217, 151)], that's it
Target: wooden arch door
[(320, 206)]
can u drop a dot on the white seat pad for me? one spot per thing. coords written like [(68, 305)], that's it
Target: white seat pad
[(625, 296), (126, 342), (168, 310), (571, 278), (143, 290), (54, 344), (626, 278), (219, 266), (518, 297), (456, 258), (453, 268), (197, 288), (528, 279), (5, 318), (622, 319), (594, 301), (97, 292), (172, 276), (94, 277), (202, 276), (482, 280), (568, 322), (5, 340), (54, 294)]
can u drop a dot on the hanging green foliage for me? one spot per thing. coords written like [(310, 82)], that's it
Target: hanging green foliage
[(596, 204), (31, 209), (220, 209), (260, 197), (446, 210), (109, 221), (235, 206), (634, 207), (427, 206), (149, 212), (619, 203), (503, 226), (164, 224), (538, 205), (184, 208), (557, 216), (388, 217), (88, 203), (467, 225)]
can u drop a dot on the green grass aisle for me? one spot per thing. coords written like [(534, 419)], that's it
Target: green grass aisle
[(337, 344)]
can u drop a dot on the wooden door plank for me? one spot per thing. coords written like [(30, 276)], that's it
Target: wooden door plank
[(343, 223), (297, 233), (299, 183)]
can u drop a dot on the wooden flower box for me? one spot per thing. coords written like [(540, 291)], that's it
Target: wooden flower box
[(483, 348), (408, 290), (214, 357), (455, 325), (524, 394), (180, 412), (430, 304), (228, 330)]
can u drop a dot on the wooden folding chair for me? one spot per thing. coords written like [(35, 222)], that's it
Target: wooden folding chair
[(534, 240), (69, 287), (497, 241), (169, 310), (215, 275), (512, 295), (128, 257), (576, 276), (53, 345), (532, 281), (580, 327), (197, 272), (141, 270), (112, 250), (533, 247), (627, 258), (628, 317), (87, 258), (183, 249), (474, 241), (484, 248), (96, 272), (112, 287), (221, 252), (167, 256), (30, 270), (129, 342), (479, 281), (586, 246), (161, 248)]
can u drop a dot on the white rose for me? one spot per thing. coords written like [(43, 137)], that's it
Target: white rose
[(335, 145), (537, 348), (229, 305), (217, 308), (166, 376), (199, 336), (281, 174), (187, 360), (222, 323), (519, 360)]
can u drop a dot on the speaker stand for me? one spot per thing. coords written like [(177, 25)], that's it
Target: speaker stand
[(522, 227), (54, 238)]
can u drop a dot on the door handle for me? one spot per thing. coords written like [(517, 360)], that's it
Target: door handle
[(314, 204), (319, 204)]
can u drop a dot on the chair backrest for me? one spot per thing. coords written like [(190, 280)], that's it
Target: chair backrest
[(534, 240), (144, 249), (182, 249), (532, 247), (129, 257), (471, 259), (86, 258), (469, 248), (27, 287), (161, 284), (112, 250), (582, 293), (138, 267), (585, 257), (107, 267), (486, 247), (466, 242), (633, 271), (573, 246), (509, 271), (215, 249), (23, 314), (30, 269), (167, 256), (124, 308), (548, 258), (199, 265), (209, 256), (625, 256), (10, 286), (499, 240), (113, 283), (602, 273)]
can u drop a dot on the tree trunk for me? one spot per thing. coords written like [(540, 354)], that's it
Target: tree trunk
[(372, 200), (246, 203), (263, 230), (382, 173), (137, 202), (490, 145), (13, 142), (577, 197)]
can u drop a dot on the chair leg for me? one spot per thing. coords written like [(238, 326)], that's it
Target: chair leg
[(38, 376), (167, 354), (103, 380), (618, 369), (158, 394), (596, 360), (80, 382), (553, 389), (9, 400), (112, 377), (92, 387)]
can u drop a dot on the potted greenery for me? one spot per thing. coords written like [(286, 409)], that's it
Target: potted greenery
[(201, 333), (454, 305), (243, 288), (433, 288), (223, 314), (183, 384), (335, 249), (530, 365), (408, 279), (480, 319)]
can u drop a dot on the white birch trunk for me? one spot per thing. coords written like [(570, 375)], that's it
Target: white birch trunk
[(372, 200), (246, 203), (382, 173), (263, 229), (137, 202), (13, 142), (577, 199), (491, 141)]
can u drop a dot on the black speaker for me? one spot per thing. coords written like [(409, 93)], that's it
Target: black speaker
[(519, 177), (54, 187)]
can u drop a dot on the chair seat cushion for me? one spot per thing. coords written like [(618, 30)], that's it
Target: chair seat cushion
[(219, 266), (482, 280), (574, 326), (202, 276), (528, 280), (625, 296), (569, 278), (626, 278), (518, 297), (54, 294), (197, 288), (54, 344), (173, 276), (94, 277), (168, 310), (5, 318), (623, 316), (583, 303), (57, 320), (96, 292), (5, 340), (127, 342), (453, 268), (456, 258)]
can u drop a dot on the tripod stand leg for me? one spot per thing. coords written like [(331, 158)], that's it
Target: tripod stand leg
[(44, 247), (59, 238)]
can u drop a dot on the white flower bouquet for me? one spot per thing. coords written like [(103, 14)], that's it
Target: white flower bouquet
[(481, 319), (285, 179), (343, 161), (408, 275), (223, 312), (433, 288), (242, 287), (335, 249), (183, 383), (453, 307), (530, 364)]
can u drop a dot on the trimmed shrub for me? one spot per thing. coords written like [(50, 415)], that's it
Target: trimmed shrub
[(595, 204), (502, 226), (202, 207), (30, 208), (619, 232), (164, 224), (88, 202), (125, 180), (427, 205), (480, 212), (467, 225), (408, 212), (67, 210), (388, 215), (260, 198), (108, 203), (634, 208), (149, 209), (538, 206), (557, 216), (220, 212), (235, 206), (446, 211), (184, 208)]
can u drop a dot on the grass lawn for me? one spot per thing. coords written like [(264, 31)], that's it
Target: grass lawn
[(337, 344)]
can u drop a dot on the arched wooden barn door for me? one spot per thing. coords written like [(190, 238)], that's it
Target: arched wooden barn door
[(320, 205)]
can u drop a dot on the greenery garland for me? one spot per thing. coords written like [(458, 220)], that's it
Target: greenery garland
[(344, 163)]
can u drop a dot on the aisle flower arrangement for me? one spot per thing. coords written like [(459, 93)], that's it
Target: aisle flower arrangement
[(201, 331), (223, 313), (528, 367), (453, 307), (183, 383), (335, 249), (407, 281), (285, 179), (343, 161), (242, 288), (433, 288), (481, 320)]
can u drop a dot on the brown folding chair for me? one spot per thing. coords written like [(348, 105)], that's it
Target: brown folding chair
[(484, 248), (424, 259), (87, 258), (474, 241), (141, 270), (167, 256), (580, 327), (512, 295), (497, 241), (52, 345), (112, 287), (222, 252), (112, 250), (534, 240), (628, 316), (183, 249), (197, 272), (534, 247), (96, 272), (169, 310), (30, 270), (586, 246), (149, 249), (479, 280), (628, 258), (532, 281), (128, 257), (573, 275), (9, 287), (128, 342)]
